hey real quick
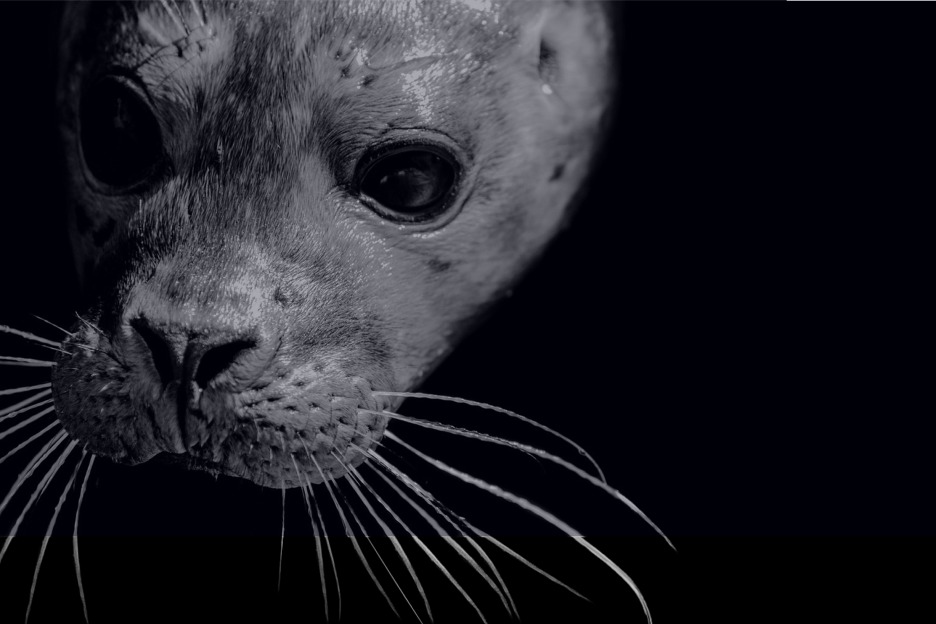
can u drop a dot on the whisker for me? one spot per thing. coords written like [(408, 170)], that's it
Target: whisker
[(48, 532), (522, 559), (84, 485), (279, 576), (364, 532), (352, 474), (57, 349), (506, 412), (91, 326), (318, 512), (511, 608), (9, 360), (25, 402), (24, 389), (350, 534), (64, 331), (448, 515), (23, 410), (22, 334), (34, 463), (532, 451), (538, 511), (315, 532), (195, 9), (26, 422), (37, 492), (173, 13), (29, 441)]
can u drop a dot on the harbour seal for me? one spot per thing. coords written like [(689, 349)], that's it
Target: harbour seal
[(285, 215), (280, 208)]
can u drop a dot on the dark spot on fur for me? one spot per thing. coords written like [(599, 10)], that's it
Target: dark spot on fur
[(557, 172), (438, 266)]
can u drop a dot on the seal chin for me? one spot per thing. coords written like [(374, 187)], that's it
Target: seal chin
[(292, 425)]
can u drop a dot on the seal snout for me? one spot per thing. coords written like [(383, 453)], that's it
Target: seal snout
[(192, 360)]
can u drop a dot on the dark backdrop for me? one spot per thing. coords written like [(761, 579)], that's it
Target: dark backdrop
[(705, 328)]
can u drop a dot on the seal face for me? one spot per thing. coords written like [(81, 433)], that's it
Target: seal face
[(279, 209)]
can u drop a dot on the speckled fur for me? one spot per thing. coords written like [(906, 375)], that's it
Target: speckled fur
[(264, 109)]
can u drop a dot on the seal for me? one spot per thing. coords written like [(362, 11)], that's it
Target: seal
[(284, 215), (282, 210)]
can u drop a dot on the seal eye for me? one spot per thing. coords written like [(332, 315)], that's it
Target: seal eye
[(411, 184), (120, 138)]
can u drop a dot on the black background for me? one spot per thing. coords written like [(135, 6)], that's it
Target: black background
[(716, 327)]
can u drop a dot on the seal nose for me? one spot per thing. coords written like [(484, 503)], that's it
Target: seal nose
[(178, 354)]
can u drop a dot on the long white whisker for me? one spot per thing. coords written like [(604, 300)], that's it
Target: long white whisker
[(538, 511), (25, 389), (522, 559), (532, 451), (353, 473), (56, 349), (30, 468), (26, 422), (64, 331), (91, 326), (195, 9), (318, 512), (279, 575), (25, 402), (448, 514), (175, 17), (29, 441), (315, 531), (506, 412), (36, 493), (22, 334), (81, 494), (48, 532), (9, 360), (380, 558), (505, 595), (28, 408), (350, 534)]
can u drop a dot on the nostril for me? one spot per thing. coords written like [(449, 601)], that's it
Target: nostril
[(218, 359), (161, 353)]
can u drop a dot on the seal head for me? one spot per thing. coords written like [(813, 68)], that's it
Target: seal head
[(277, 209)]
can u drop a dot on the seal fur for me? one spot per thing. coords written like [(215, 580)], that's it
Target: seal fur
[(245, 244)]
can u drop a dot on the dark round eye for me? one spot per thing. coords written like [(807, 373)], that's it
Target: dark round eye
[(120, 138), (411, 184)]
